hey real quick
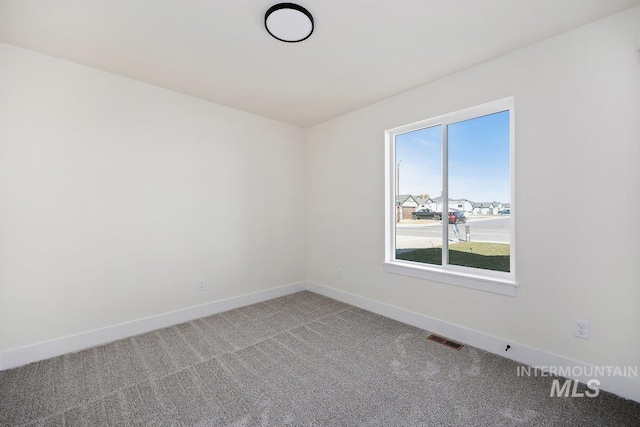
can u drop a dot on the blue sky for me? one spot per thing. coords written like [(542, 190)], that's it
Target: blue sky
[(478, 159)]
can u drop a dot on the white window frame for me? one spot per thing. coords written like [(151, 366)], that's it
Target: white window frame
[(476, 278)]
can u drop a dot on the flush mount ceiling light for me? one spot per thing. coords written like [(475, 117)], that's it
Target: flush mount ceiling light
[(288, 22)]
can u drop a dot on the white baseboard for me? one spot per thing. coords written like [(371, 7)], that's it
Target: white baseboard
[(21, 356), (622, 386), (627, 387)]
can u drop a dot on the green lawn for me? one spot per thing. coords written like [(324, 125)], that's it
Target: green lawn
[(489, 256)]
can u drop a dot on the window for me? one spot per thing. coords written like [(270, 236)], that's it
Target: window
[(458, 170)]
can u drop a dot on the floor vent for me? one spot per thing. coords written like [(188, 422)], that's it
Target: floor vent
[(444, 341)]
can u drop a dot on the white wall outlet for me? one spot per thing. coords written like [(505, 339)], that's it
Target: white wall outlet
[(339, 273), (581, 329), (200, 285)]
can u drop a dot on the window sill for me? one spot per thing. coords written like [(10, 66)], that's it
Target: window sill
[(438, 274)]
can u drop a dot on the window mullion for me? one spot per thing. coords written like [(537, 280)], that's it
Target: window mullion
[(445, 196)]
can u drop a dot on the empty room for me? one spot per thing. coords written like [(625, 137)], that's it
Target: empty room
[(324, 213)]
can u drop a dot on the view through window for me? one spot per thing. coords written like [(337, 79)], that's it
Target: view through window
[(453, 191)]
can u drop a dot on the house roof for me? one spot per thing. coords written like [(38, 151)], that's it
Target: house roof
[(484, 204), (421, 200), (402, 198), (220, 51), (493, 204), (439, 200)]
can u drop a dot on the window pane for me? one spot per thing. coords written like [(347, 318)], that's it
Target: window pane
[(479, 180), (418, 188)]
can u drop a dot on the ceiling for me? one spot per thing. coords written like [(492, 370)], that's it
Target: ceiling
[(361, 51)]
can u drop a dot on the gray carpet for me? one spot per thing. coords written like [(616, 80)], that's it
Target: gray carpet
[(298, 360)]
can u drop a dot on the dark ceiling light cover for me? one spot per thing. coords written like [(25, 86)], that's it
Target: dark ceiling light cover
[(288, 22)]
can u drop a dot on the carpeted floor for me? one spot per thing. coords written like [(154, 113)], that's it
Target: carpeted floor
[(298, 360)]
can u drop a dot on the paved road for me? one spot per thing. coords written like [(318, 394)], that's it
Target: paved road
[(427, 233)]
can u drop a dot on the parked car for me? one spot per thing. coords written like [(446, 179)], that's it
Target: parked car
[(457, 217), (505, 212), (426, 214)]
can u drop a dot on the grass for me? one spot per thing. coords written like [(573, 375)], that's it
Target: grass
[(489, 256)]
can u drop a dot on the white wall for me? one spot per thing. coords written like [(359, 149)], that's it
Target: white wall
[(117, 196), (577, 138)]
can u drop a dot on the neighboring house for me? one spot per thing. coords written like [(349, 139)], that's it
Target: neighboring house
[(433, 205), (407, 205), (490, 208), (463, 205), (482, 208), (422, 201)]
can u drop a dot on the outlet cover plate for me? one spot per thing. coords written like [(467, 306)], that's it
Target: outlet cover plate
[(581, 329)]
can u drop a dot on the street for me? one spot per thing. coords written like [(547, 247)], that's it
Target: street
[(428, 233)]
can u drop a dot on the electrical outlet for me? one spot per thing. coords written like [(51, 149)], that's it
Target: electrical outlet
[(339, 273), (581, 329), (200, 285)]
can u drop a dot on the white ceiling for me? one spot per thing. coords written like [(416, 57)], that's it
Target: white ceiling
[(361, 51)]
